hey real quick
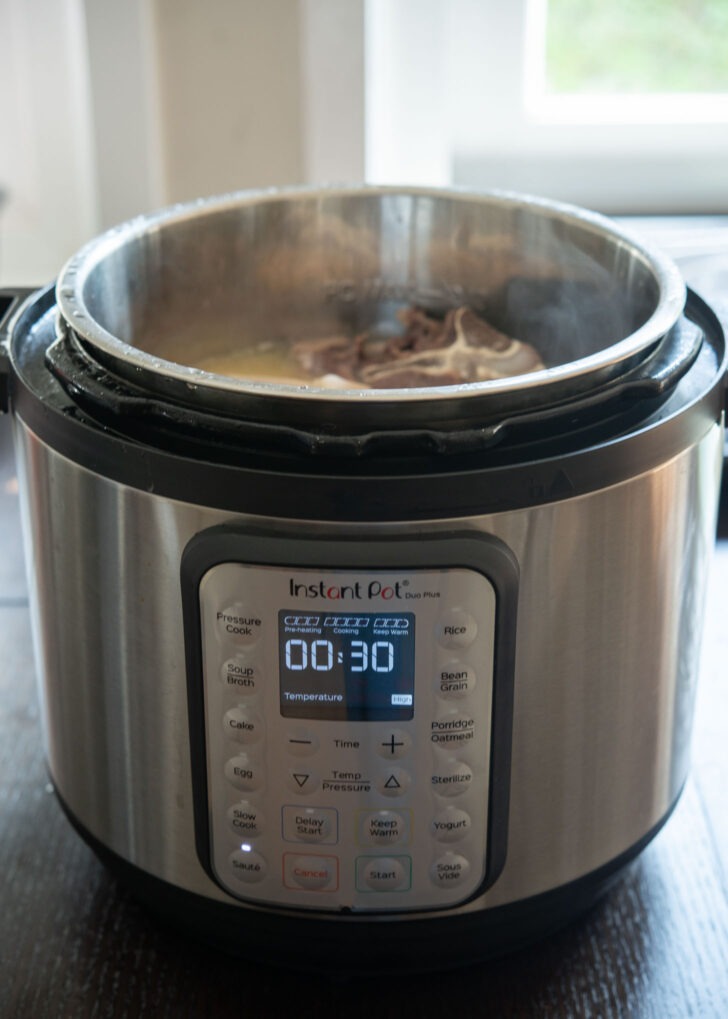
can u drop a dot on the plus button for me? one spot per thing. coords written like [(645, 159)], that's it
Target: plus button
[(396, 744)]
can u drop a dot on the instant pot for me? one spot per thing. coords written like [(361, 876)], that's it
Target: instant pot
[(368, 678)]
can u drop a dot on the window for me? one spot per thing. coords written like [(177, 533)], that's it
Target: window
[(564, 98)]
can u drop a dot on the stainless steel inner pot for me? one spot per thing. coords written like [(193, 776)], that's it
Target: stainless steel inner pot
[(218, 275)]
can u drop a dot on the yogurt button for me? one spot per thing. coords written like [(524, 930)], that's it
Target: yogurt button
[(451, 824)]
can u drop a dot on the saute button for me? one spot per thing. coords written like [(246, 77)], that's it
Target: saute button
[(241, 674), (451, 824), (313, 873), (454, 679), (456, 628), (453, 779), (242, 725), (239, 624), (244, 773), (248, 866), (451, 869), (245, 819)]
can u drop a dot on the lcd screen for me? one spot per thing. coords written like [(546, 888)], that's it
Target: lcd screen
[(347, 666)]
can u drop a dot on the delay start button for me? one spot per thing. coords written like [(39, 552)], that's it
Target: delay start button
[(239, 624)]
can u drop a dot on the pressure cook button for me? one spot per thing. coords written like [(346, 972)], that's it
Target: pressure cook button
[(244, 773), (248, 866), (451, 824), (245, 819), (312, 873), (454, 679), (449, 870), (242, 674), (239, 624), (456, 628), (242, 725), (452, 779)]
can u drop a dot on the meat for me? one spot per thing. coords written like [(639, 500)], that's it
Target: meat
[(459, 348)]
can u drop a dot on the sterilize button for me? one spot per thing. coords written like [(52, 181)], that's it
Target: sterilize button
[(245, 819), (450, 869), (244, 773), (456, 628), (451, 824), (242, 674), (239, 624), (454, 679), (453, 778), (248, 866), (242, 725)]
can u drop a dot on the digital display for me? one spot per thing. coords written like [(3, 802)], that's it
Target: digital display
[(347, 666)]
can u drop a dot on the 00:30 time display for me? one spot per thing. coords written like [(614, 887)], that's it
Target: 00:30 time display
[(320, 655)]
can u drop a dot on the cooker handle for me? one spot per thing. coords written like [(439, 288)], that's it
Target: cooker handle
[(11, 299)]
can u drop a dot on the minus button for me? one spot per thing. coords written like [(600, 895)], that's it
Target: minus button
[(302, 743)]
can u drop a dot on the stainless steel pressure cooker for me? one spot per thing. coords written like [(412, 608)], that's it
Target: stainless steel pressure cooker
[(375, 678)]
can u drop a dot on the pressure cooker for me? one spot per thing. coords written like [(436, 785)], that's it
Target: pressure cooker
[(366, 678)]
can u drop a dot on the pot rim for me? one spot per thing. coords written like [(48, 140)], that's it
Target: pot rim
[(133, 362)]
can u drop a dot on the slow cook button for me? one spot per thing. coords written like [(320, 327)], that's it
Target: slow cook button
[(456, 628), (239, 624), (311, 873), (242, 725), (245, 819), (452, 779), (248, 866), (449, 870), (244, 773)]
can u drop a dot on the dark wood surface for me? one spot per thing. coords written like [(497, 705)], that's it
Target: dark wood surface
[(74, 943)]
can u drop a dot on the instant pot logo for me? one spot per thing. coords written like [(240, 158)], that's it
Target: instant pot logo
[(375, 590)]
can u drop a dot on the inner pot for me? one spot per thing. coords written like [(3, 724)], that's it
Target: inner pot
[(158, 296)]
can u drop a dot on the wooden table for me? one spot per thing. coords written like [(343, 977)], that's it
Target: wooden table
[(74, 943)]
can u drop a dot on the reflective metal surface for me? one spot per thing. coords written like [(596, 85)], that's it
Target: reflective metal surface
[(609, 621), (222, 275)]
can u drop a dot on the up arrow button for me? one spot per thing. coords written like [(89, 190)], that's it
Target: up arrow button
[(393, 782)]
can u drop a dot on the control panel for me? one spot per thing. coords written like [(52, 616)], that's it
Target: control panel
[(345, 750)]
